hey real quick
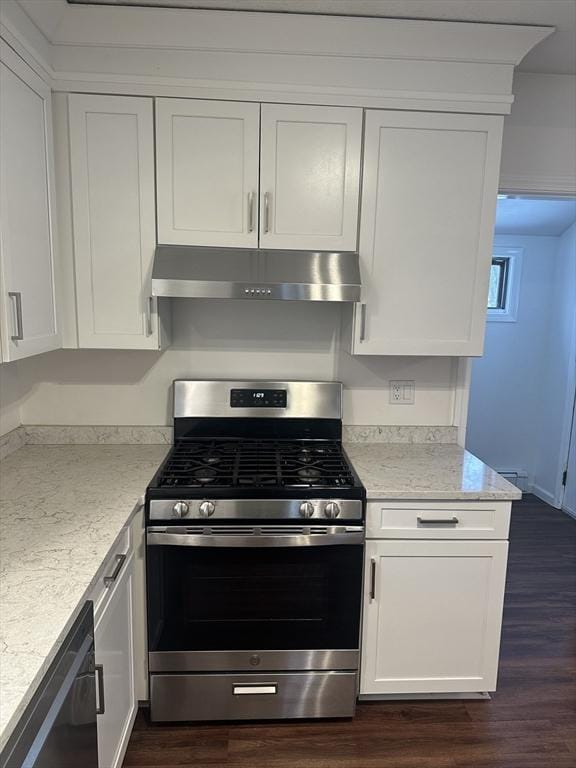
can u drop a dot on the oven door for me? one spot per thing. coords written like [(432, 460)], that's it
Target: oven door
[(265, 598)]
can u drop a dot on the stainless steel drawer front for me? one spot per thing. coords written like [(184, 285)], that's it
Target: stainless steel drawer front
[(252, 697)]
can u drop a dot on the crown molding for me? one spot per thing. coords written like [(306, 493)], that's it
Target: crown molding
[(385, 63)]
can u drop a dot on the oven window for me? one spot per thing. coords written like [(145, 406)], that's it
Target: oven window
[(248, 598)]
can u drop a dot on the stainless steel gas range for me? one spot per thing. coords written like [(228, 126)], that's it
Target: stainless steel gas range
[(255, 531)]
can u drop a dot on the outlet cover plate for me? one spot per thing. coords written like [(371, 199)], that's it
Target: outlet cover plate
[(402, 392)]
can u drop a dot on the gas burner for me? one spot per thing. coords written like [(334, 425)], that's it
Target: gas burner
[(309, 473), (212, 460), (205, 475)]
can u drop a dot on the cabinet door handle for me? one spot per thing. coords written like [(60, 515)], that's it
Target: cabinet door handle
[(250, 211), (99, 668), (149, 301), (109, 580), (437, 520), (372, 579), (362, 322), (16, 296), (266, 212)]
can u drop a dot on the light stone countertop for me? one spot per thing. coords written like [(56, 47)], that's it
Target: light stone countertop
[(431, 471), (62, 509)]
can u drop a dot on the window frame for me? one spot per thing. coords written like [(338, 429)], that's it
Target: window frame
[(511, 285)]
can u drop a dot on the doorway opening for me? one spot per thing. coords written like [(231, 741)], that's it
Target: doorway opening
[(522, 394)]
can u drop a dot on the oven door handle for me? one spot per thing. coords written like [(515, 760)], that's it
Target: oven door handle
[(155, 538)]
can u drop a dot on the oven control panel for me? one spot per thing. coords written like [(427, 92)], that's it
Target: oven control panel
[(258, 398)]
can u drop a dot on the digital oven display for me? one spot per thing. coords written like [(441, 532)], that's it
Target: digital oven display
[(258, 398)]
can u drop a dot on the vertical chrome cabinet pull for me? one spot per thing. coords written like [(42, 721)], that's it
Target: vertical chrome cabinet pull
[(362, 322), (149, 301), (99, 668), (250, 211), (266, 212), (372, 579), (17, 297), (109, 580)]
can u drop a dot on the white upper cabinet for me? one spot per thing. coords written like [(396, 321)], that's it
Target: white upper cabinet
[(428, 200), (207, 172), (27, 295), (112, 185), (309, 177)]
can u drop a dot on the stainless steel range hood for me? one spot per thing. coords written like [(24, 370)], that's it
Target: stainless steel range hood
[(237, 273)]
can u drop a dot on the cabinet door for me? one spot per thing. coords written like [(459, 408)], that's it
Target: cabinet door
[(114, 644), (309, 177), (112, 170), (207, 172), (428, 200), (432, 616), (27, 295)]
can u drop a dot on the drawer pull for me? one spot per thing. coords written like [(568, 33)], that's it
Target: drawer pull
[(259, 689), (372, 579), (109, 580), (437, 520)]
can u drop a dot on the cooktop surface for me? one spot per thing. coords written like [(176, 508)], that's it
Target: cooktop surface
[(244, 464)]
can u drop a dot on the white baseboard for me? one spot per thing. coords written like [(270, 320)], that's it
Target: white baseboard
[(569, 511), (545, 495)]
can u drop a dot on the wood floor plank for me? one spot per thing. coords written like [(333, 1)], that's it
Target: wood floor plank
[(529, 723)]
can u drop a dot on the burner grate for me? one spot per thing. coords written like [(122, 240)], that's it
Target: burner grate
[(256, 464)]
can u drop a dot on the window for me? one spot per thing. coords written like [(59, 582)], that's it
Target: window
[(497, 292), (503, 288)]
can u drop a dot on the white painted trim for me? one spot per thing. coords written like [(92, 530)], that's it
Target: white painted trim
[(277, 33), (462, 379), (389, 63), (510, 313), (137, 85), (541, 185), (545, 495), (569, 511)]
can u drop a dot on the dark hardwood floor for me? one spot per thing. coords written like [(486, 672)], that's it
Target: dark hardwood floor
[(529, 723)]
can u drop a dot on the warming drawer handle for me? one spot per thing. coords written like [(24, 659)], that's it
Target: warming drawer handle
[(109, 580), (437, 520), (258, 689)]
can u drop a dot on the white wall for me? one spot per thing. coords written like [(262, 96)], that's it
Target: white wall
[(539, 150), (558, 374), (507, 382), (226, 339), (10, 390)]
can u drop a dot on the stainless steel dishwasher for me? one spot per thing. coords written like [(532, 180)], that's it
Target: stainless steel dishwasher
[(58, 727)]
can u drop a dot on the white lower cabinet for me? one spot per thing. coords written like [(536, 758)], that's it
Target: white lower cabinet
[(114, 642), (432, 616)]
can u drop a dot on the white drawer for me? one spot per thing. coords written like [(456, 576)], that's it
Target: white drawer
[(438, 519), (113, 565)]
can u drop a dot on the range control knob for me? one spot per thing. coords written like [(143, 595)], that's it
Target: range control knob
[(306, 509), (332, 509), (207, 508), (180, 509)]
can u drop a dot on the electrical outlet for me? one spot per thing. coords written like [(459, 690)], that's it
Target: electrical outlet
[(402, 392)]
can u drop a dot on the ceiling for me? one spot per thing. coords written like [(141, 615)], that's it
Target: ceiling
[(557, 54), (526, 216)]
